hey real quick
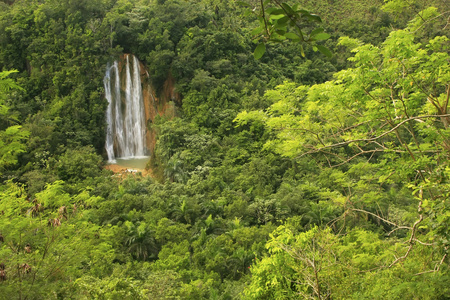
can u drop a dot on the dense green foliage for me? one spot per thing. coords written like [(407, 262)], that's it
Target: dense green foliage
[(293, 176)]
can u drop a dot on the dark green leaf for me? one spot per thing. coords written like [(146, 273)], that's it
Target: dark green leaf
[(242, 3), (277, 11), (300, 34), (283, 21), (287, 7), (316, 31), (274, 11), (324, 50), (270, 10), (303, 12), (314, 18)]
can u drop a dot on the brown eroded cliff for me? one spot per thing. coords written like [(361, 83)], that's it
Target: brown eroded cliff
[(161, 104)]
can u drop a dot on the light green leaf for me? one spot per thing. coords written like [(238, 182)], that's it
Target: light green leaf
[(320, 36), (259, 51), (292, 36), (257, 30)]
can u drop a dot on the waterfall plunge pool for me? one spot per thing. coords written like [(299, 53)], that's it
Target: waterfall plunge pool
[(136, 162)]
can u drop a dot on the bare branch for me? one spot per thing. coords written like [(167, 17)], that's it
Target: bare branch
[(400, 227), (429, 20), (423, 243), (402, 257), (373, 269), (377, 216), (377, 137), (356, 155), (413, 233), (436, 268), (264, 17)]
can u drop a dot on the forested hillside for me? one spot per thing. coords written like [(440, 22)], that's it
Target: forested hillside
[(306, 155)]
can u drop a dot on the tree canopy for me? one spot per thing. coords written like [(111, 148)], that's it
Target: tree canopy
[(306, 157)]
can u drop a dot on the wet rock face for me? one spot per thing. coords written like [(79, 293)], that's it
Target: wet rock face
[(162, 104)]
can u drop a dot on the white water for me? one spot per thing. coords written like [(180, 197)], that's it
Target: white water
[(125, 116)]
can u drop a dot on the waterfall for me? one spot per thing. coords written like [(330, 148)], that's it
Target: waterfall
[(125, 116)]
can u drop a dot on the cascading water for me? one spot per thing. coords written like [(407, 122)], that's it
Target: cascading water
[(125, 116)]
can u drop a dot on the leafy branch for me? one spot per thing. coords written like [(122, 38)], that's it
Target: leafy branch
[(279, 22)]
